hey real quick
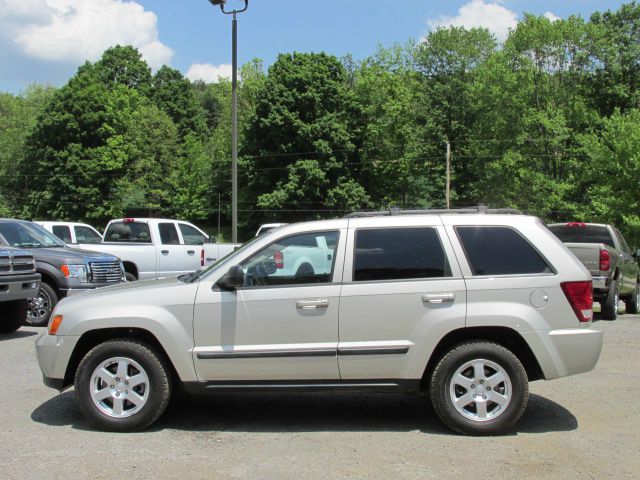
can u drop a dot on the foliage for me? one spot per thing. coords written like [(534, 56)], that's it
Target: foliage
[(547, 122)]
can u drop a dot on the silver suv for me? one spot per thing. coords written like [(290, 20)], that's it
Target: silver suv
[(466, 307)]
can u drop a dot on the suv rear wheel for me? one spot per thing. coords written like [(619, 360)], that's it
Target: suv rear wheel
[(479, 388), (122, 385)]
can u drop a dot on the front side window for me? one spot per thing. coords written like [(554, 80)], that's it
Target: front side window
[(127, 232), (191, 236), (28, 235), (296, 260), (62, 232), (87, 235), (399, 254), (500, 251)]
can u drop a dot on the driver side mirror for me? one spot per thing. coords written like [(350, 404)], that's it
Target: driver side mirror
[(233, 279), (636, 254)]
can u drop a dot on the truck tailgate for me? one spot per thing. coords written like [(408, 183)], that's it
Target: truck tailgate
[(588, 254)]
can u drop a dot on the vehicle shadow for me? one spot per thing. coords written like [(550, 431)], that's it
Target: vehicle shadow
[(285, 412), (17, 334)]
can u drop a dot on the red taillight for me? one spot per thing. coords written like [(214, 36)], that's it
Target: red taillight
[(278, 258), (577, 224), (202, 257), (128, 220), (605, 260), (580, 296)]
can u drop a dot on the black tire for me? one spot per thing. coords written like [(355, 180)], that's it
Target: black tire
[(130, 277), (12, 314), (633, 302), (609, 307), (499, 419), (40, 308), (153, 365)]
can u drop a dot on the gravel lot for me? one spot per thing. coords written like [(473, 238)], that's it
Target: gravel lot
[(579, 427)]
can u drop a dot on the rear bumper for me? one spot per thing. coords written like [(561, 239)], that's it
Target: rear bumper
[(19, 287), (567, 351)]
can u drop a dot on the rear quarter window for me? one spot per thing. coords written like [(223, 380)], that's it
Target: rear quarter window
[(500, 251)]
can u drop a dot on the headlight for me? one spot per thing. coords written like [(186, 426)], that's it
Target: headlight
[(75, 271)]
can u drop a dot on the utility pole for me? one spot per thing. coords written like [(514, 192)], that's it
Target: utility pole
[(234, 112), (448, 188)]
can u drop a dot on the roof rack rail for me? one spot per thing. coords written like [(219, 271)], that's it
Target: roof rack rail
[(435, 211)]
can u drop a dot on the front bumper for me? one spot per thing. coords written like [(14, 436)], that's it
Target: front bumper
[(53, 353), (19, 287), (567, 351)]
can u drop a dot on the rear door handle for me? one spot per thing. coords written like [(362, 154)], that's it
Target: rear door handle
[(164, 252), (445, 297), (191, 252), (312, 304)]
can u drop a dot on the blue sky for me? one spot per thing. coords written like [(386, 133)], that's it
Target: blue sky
[(46, 40)]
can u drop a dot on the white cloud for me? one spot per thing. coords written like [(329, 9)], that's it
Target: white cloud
[(208, 73), (72, 31), (480, 14), (551, 16)]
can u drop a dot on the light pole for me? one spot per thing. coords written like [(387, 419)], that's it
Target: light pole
[(234, 112)]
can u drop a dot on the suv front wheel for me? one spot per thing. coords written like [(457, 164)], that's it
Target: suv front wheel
[(122, 385), (479, 388)]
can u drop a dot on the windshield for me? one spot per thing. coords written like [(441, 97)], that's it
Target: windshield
[(582, 234), (198, 274), (28, 235)]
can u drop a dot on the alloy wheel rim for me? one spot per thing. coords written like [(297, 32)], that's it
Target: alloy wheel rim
[(119, 387), (480, 390), (39, 307)]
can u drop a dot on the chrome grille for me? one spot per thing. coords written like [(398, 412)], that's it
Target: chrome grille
[(17, 264), (105, 272)]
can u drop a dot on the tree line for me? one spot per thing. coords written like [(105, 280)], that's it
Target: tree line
[(547, 122)]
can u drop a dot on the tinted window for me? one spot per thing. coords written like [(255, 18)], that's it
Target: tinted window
[(294, 260), (191, 236), (581, 233), (500, 251), (26, 234), (168, 234), (62, 232), (128, 232), (399, 253), (87, 235)]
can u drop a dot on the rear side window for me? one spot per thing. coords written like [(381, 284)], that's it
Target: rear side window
[(168, 234), (62, 232), (87, 235), (399, 254), (128, 232), (500, 251)]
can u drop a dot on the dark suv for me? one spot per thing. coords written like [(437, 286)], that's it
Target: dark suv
[(65, 271)]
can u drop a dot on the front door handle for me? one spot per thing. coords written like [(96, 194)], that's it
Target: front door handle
[(445, 297), (312, 304), (191, 252), (164, 252)]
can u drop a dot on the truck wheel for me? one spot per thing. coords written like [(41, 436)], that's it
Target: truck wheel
[(122, 385), (479, 388), (609, 308), (12, 314), (40, 307), (633, 302)]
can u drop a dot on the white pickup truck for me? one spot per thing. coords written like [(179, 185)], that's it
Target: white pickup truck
[(155, 247)]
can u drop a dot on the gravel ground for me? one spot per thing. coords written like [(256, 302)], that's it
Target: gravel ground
[(583, 427)]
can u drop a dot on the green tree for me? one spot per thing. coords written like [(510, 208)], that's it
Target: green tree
[(299, 146), (172, 92)]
